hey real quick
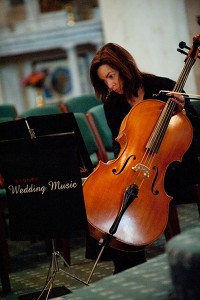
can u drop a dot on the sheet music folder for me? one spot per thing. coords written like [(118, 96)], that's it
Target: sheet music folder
[(42, 177)]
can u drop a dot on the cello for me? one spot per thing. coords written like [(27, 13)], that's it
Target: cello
[(125, 196)]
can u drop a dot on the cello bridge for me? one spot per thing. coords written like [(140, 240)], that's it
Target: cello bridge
[(143, 168)]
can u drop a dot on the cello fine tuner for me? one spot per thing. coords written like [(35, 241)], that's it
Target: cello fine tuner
[(187, 96)]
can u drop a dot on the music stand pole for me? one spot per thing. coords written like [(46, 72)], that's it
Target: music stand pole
[(54, 269)]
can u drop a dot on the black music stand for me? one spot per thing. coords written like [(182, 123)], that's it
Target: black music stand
[(43, 181)]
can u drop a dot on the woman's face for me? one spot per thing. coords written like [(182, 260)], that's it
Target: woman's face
[(111, 78)]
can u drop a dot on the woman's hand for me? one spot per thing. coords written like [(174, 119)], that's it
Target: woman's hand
[(178, 99)]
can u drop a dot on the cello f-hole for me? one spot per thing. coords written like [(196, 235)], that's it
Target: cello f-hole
[(114, 171), (155, 192)]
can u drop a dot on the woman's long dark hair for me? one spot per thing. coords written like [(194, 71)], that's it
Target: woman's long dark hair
[(119, 59)]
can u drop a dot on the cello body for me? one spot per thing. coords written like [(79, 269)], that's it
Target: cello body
[(146, 217)]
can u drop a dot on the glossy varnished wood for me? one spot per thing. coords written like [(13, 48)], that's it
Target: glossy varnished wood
[(146, 218)]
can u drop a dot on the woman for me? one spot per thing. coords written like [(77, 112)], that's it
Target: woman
[(120, 84)]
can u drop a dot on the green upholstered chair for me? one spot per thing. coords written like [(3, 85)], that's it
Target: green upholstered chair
[(5, 119), (183, 253), (81, 103), (7, 112), (48, 109), (97, 120), (88, 137)]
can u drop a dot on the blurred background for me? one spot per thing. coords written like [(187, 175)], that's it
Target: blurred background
[(46, 46)]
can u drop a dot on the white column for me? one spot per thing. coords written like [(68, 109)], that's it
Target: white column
[(74, 69), (32, 8), (11, 86)]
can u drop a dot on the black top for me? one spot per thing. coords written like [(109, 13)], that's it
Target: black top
[(116, 108)]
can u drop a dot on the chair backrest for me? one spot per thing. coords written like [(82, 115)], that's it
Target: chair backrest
[(8, 111), (97, 120), (88, 137), (81, 103), (48, 109), (5, 119)]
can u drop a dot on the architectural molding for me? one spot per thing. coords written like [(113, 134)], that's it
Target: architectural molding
[(80, 33)]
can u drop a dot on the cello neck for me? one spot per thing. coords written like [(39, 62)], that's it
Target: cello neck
[(184, 75), (159, 131)]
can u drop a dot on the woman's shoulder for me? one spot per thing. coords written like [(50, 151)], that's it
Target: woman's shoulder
[(153, 84), (149, 78)]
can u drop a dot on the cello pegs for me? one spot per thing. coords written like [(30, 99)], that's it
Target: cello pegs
[(181, 51), (183, 45)]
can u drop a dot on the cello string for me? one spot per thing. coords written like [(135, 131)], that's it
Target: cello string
[(166, 117), (148, 155), (160, 129), (185, 72), (159, 132), (171, 104), (182, 79), (178, 86), (156, 137)]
